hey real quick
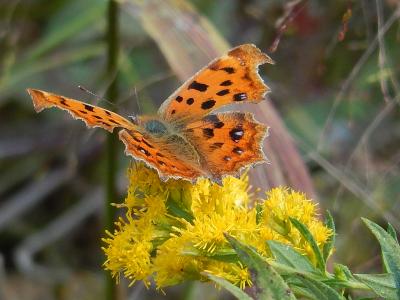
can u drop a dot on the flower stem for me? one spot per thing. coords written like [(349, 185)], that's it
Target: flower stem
[(111, 158)]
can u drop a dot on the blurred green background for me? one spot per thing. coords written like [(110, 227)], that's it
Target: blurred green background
[(335, 86)]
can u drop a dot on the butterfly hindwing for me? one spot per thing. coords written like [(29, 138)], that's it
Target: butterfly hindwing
[(162, 155), (227, 142), (93, 116), (233, 78)]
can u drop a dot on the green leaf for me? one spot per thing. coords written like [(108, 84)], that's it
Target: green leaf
[(382, 284), (342, 272), (269, 284), (329, 222), (286, 255), (310, 239), (176, 210), (320, 290), (25, 71), (392, 232), (86, 15), (301, 292), (225, 255), (390, 251), (233, 289)]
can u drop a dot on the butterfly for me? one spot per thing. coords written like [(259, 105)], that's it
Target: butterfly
[(186, 140)]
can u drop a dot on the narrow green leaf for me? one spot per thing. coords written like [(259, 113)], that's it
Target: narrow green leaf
[(269, 284), (228, 255), (392, 232), (382, 284), (233, 289), (390, 251), (310, 239), (286, 255), (320, 290), (88, 14), (329, 222), (24, 71), (176, 210), (302, 292), (342, 272)]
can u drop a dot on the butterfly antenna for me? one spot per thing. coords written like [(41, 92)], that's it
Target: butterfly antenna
[(137, 100), (134, 118), (82, 88)]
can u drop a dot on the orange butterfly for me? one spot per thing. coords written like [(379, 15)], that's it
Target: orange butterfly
[(184, 140)]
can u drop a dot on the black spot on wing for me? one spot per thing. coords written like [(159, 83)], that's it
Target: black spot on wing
[(179, 99), (89, 107), (236, 133), (63, 101), (208, 132), (214, 120), (201, 87), (240, 97), (83, 111), (223, 92), (216, 146), (226, 83), (208, 104), (190, 101), (237, 150), (146, 143), (97, 117), (144, 151), (219, 124), (161, 163), (107, 112), (113, 121), (229, 70)]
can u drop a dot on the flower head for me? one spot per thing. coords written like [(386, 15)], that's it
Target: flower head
[(174, 231)]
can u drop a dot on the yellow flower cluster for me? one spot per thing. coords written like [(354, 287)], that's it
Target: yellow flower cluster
[(174, 231)]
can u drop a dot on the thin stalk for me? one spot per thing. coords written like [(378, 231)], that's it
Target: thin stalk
[(111, 158)]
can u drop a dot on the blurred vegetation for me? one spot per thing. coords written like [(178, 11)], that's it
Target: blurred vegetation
[(339, 98)]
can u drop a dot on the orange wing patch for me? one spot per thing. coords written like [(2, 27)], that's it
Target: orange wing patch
[(93, 116), (232, 78), (229, 141), (159, 155)]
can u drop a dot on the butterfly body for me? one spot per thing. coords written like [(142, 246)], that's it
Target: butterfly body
[(186, 139)]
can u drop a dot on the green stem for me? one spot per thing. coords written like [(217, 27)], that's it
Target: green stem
[(283, 269), (111, 158)]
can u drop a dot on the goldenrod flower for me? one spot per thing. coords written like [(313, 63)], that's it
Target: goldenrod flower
[(174, 231)]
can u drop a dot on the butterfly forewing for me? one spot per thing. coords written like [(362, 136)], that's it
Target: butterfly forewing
[(233, 78), (93, 116)]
